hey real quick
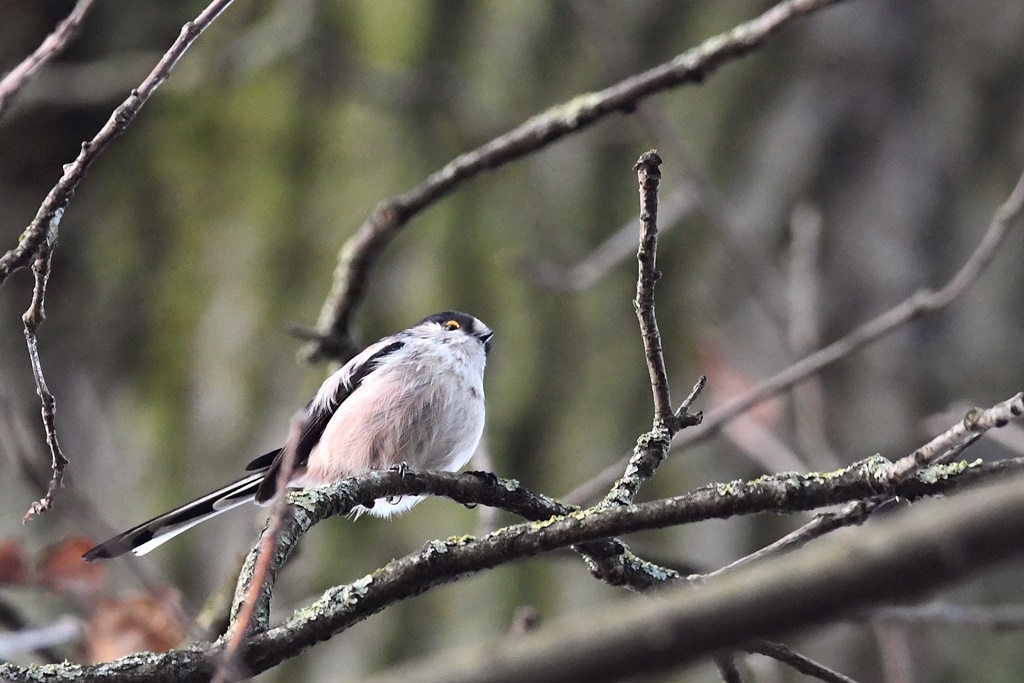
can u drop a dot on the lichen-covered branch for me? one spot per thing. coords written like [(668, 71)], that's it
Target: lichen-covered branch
[(651, 448), (938, 546), (441, 562)]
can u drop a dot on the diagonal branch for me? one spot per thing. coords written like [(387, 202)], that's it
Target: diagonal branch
[(33, 317), (48, 217), (53, 45), (40, 238), (804, 665), (333, 339)]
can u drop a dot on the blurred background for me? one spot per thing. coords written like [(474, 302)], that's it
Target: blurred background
[(807, 188)]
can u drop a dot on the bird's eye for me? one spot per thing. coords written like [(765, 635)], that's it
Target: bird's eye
[(452, 325)]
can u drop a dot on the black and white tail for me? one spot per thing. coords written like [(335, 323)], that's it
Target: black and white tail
[(148, 535)]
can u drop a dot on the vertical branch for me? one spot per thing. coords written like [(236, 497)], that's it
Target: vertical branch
[(651, 448), (648, 171), (32, 318), (251, 608)]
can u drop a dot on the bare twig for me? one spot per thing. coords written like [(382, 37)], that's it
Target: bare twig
[(40, 238), (855, 512), (949, 444), (648, 170), (651, 448), (801, 663), (243, 613), (48, 217), (359, 254), (975, 423), (53, 45), (32, 318), (922, 303)]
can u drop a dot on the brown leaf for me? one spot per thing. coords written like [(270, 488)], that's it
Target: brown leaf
[(142, 622), (61, 568), (13, 562)]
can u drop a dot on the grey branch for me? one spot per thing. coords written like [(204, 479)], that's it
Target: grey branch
[(441, 562), (804, 665), (32, 318), (53, 45), (333, 339), (48, 217), (1000, 618), (938, 546)]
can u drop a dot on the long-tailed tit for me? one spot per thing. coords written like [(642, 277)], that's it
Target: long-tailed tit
[(415, 398)]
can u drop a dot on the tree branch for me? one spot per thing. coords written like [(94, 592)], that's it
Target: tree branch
[(53, 45), (804, 665), (333, 338), (441, 562), (40, 238), (50, 212), (938, 546), (32, 318), (651, 448)]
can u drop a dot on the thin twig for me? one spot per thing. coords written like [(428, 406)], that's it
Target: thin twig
[(801, 663), (32, 318), (39, 239), (853, 513), (922, 303), (975, 423), (360, 253), (651, 448), (52, 45), (948, 445), (648, 170), (242, 620), (49, 214)]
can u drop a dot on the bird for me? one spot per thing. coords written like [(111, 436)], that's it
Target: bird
[(413, 399)]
